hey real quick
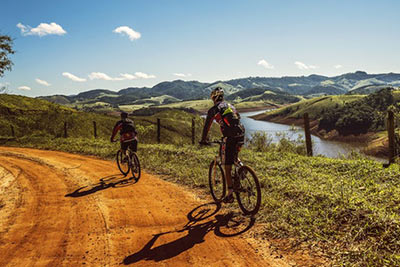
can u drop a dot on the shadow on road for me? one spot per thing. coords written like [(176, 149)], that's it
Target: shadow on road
[(117, 180), (201, 220)]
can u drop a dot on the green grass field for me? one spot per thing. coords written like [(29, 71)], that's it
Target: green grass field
[(314, 107)]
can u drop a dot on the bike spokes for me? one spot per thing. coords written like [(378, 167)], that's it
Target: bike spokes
[(216, 179), (123, 163), (135, 168), (249, 192)]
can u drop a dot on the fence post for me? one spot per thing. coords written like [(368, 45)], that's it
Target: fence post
[(94, 129), (12, 131), (65, 130), (193, 131), (390, 129), (307, 134), (158, 131)]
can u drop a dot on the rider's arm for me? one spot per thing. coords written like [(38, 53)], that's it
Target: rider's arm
[(117, 127), (207, 125)]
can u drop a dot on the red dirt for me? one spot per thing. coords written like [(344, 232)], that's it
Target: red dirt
[(60, 209)]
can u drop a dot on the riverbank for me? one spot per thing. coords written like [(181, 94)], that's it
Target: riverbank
[(374, 144)]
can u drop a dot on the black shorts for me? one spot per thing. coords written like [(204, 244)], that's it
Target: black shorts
[(132, 144), (232, 147)]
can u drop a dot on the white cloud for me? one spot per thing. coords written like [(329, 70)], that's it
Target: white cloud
[(338, 66), (144, 75), (42, 29), (303, 66), (265, 64), (42, 82), (100, 76), (125, 30), (182, 75), (127, 76), (122, 76), (26, 88), (73, 77)]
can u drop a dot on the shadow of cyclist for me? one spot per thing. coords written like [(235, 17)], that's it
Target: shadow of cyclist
[(114, 181), (195, 233)]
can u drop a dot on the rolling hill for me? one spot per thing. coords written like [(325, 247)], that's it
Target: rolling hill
[(286, 88)]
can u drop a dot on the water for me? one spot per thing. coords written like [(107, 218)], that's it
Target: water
[(329, 149)]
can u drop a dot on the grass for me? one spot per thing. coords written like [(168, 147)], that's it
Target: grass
[(314, 107), (201, 105), (349, 208), (38, 118)]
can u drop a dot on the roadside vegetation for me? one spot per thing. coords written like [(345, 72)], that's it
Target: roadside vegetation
[(346, 209)]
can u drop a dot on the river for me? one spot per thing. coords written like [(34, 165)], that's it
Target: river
[(329, 149)]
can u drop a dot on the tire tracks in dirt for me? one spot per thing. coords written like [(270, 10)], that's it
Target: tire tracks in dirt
[(77, 210)]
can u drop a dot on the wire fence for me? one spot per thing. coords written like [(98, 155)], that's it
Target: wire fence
[(191, 131)]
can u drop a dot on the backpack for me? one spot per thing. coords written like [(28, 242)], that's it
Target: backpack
[(127, 126), (228, 113)]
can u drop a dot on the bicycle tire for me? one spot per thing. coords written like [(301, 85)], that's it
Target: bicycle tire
[(135, 166), (216, 182), (123, 167), (249, 193)]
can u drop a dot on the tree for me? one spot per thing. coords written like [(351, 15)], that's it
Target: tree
[(5, 50)]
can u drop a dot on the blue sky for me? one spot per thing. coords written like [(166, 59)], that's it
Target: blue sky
[(205, 40)]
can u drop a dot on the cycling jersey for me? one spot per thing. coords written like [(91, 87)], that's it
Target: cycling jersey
[(227, 117), (127, 130)]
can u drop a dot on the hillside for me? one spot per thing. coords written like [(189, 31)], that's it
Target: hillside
[(353, 118), (35, 117), (306, 86)]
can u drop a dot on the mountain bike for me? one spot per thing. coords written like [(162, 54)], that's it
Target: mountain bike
[(245, 182), (128, 162)]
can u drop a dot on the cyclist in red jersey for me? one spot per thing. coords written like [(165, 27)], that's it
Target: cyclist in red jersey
[(232, 129), (128, 133)]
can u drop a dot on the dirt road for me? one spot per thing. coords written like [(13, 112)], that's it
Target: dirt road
[(60, 209)]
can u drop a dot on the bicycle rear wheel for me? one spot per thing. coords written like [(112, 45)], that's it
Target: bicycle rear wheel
[(249, 193), (123, 163), (135, 168), (216, 180)]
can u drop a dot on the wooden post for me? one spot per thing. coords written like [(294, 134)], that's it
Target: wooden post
[(12, 131), (307, 134), (158, 131), (94, 129), (390, 129), (193, 131), (65, 130)]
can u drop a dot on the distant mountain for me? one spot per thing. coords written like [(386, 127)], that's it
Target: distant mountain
[(358, 82)]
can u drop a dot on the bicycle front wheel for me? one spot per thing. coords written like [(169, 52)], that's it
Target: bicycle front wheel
[(135, 168), (249, 193), (123, 163), (216, 180)]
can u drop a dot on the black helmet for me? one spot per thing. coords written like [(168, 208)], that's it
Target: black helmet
[(217, 94), (124, 115)]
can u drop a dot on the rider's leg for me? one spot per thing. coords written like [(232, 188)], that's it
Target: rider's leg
[(124, 150), (228, 176), (229, 159)]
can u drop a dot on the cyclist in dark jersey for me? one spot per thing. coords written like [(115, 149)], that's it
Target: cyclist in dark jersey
[(233, 131), (127, 131)]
